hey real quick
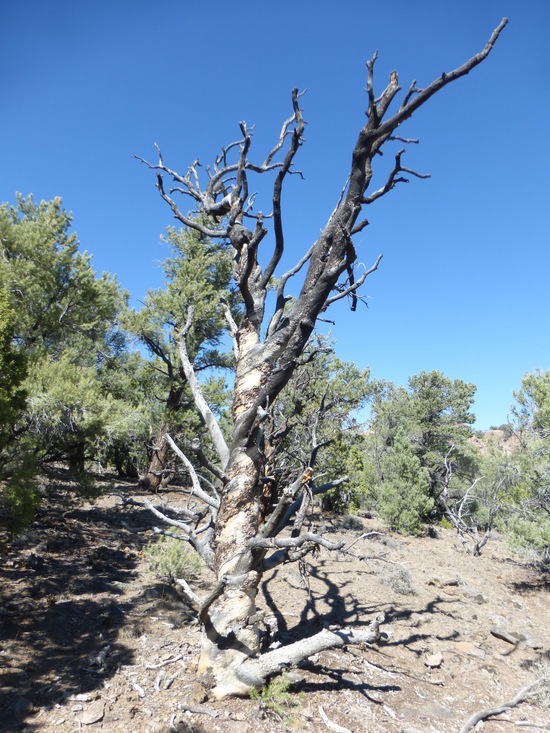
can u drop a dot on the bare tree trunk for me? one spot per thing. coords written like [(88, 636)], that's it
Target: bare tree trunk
[(157, 465), (230, 536), (160, 449)]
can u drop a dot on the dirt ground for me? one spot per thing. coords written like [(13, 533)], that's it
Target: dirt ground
[(91, 639)]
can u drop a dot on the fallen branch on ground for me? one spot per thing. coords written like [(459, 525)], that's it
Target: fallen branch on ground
[(162, 664), (330, 725), (491, 712)]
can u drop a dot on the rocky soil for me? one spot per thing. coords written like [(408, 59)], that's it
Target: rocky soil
[(91, 639)]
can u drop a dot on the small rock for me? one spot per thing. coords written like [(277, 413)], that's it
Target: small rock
[(437, 710), (468, 647), (93, 714), (434, 660), (479, 598), (501, 633)]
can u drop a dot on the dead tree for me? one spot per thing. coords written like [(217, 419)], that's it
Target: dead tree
[(229, 531)]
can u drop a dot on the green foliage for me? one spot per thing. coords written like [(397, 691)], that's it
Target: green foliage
[(13, 371), (18, 493), (318, 409), (197, 276), (528, 506), (404, 499), (276, 698), (170, 557), (67, 327), (19, 498), (417, 438), (532, 411), (440, 409), (60, 303), (530, 533)]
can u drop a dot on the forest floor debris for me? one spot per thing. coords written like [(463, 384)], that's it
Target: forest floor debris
[(91, 639)]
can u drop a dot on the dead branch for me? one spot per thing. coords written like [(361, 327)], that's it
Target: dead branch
[(205, 462), (202, 544), (330, 724), (199, 709), (191, 596), (528, 724), (277, 188), (344, 292), (361, 537), (270, 663), (455, 514), (521, 696), (288, 542), (168, 520), (163, 664), (212, 502), (281, 298), (233, 328), (290, 507), (393, 179), (206, 413)]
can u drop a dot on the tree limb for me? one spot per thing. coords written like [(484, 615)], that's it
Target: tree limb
[(288, 542), (233, 329), (353, 288), (197, 489), (207, 415), (393, 180), (272, 662), (189, 593), (291, 507), (277, 188), (201, 544)]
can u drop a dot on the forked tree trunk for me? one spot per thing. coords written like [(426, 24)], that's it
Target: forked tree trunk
[(231, 539)]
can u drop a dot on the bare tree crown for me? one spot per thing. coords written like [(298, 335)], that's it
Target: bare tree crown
[(229, 531)]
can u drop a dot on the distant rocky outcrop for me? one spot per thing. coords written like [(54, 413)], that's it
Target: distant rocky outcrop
[(504, 440)]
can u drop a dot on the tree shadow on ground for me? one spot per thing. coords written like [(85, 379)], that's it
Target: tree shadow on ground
[(335, 603), (62, 605), (329, 603), (538, 580), (339, 680)]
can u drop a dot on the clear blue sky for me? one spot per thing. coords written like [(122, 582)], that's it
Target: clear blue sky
[(463, 286)]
